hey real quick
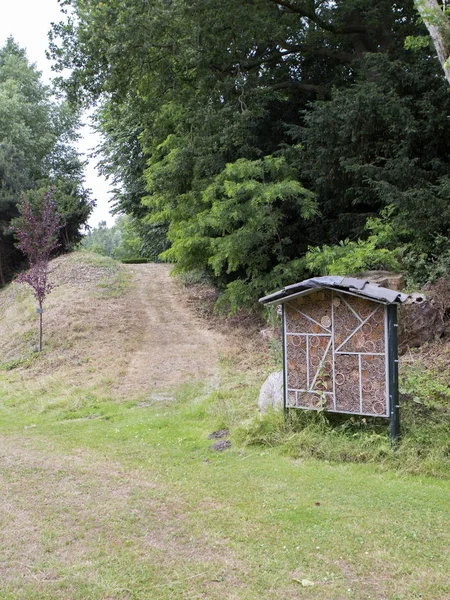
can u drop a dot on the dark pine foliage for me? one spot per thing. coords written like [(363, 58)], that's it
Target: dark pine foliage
[(255, 129)]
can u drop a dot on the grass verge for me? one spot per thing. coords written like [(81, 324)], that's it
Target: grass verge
[(131, 503), (108, 496)]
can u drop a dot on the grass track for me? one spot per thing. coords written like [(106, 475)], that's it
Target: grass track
[(117, 496), (132, 504)]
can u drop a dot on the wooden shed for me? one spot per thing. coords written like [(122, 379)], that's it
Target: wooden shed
[(340, 346)]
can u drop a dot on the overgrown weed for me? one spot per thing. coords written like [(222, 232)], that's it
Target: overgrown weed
[(426, 386), (424, 447)]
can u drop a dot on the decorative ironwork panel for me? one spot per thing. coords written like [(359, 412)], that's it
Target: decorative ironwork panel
[(336, 353)]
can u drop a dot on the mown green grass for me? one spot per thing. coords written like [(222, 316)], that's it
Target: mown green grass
[(106, 498), (260, 520)]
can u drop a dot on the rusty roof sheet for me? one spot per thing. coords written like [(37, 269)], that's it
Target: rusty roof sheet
[(353, 285)]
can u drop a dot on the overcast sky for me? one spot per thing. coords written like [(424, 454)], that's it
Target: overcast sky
[(28, 21)]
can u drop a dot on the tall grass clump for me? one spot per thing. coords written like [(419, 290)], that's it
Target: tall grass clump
[(424, 447)]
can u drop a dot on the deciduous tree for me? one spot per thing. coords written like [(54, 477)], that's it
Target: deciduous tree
[(37, 137), (37, 230)]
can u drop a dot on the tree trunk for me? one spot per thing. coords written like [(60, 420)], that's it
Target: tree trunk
[(439, 29), (40, 326)]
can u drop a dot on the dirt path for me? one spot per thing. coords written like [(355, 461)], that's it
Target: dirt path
[(135, 334), (175, 345)]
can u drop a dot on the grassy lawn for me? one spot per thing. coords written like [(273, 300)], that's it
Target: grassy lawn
[(112, 492), (108, 500)]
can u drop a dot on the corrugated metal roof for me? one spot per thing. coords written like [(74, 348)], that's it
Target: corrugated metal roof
[(360, 287)]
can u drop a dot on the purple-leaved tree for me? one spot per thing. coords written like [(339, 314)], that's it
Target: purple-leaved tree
[(37, 230)]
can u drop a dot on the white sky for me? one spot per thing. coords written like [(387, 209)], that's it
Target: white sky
[(28, 21)]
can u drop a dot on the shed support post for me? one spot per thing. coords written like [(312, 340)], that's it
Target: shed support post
[(394, 409), (283, 341)]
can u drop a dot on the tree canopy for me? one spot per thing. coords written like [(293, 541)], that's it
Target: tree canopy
[(256, 129), (37, 152)]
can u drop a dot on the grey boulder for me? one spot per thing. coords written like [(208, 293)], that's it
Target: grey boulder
[(271, 394)]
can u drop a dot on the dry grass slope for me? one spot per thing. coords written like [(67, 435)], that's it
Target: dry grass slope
[(127, 330)]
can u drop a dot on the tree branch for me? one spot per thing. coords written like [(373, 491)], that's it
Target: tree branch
[(298, 85), (315, 18), (290, 50), (344, 57)]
